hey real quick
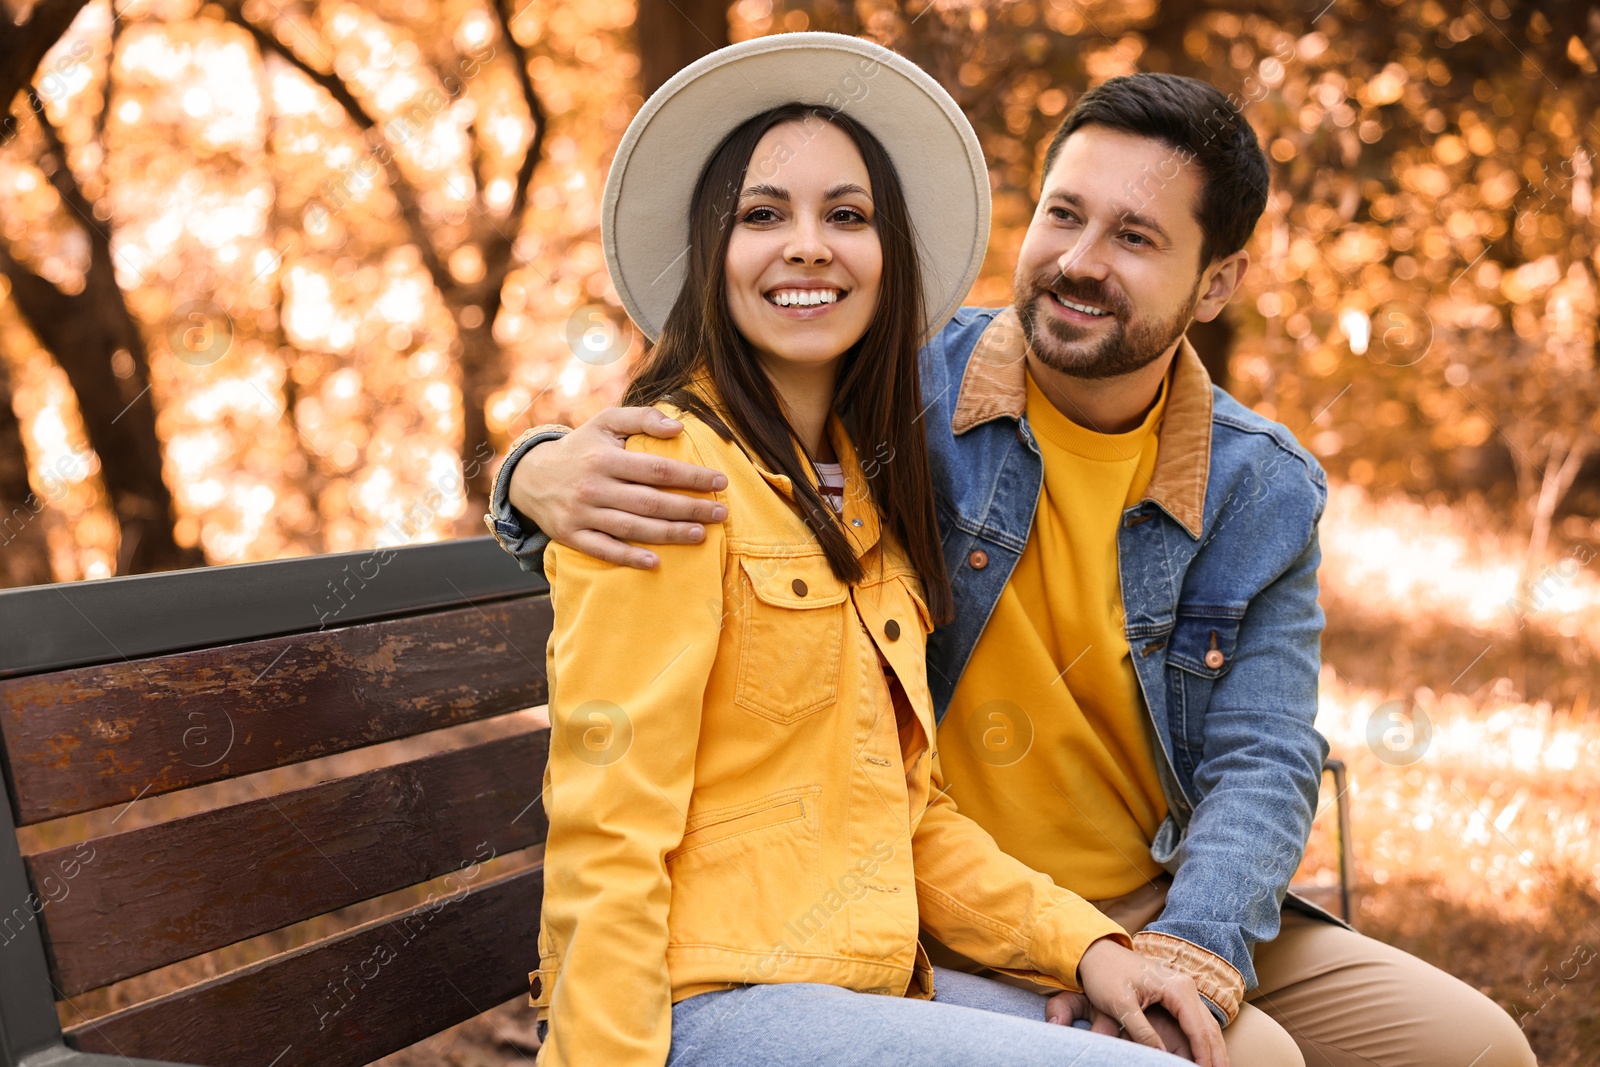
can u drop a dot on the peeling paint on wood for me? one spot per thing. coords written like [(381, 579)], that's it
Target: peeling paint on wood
[(93, 737)]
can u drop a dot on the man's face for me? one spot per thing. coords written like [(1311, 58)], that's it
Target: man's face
[(1109, 273)]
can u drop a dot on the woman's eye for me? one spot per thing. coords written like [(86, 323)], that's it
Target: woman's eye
[(760, 214), (849, 215)]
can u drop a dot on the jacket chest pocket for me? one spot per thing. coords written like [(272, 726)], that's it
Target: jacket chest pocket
[(791, 636), (1201, 650)]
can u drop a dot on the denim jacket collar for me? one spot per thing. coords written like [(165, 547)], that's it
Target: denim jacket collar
[(995, 385)]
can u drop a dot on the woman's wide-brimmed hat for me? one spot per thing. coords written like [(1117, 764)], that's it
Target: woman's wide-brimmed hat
[(644, 221)]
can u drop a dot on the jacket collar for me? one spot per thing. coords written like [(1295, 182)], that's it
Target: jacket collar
[(860, 515), (995, 384)]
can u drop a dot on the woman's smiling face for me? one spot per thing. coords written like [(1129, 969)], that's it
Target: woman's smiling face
[(804, 263)]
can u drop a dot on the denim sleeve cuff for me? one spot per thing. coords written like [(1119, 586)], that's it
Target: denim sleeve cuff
[(523, 540), (1218, 982)]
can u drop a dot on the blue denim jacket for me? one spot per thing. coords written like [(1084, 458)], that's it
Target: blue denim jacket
[(1218, 569)]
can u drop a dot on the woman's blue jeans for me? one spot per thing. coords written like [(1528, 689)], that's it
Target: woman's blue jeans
[(971, 1021)]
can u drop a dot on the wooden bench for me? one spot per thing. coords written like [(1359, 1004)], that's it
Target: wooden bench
[(116, 691), (125, 689)]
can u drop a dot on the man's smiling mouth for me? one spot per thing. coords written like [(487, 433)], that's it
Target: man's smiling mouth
[(1084, 309)]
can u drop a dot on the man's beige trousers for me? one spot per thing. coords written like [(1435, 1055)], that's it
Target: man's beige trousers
[(1330, 997)]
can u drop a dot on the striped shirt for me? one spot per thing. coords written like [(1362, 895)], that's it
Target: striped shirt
[(830, 477)]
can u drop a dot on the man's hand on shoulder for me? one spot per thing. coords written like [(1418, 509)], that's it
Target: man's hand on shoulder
[(588, 492)]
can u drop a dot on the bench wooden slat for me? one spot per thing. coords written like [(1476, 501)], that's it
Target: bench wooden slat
[(109, 620), (134, 901), (348, 999), (95, 736)]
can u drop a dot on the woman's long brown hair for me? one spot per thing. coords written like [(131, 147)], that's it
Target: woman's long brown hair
[(878, 392)]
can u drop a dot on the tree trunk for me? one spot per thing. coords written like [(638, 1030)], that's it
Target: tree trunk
[(479, 354), (1561, 467), (24, 552), (84, 332), (23, 48), (674, 33), (482, 372)]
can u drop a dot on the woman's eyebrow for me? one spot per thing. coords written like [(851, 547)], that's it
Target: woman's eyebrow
[(846, 189), (775, 192), (772, 191)]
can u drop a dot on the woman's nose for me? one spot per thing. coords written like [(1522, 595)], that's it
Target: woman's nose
[(807, 244)]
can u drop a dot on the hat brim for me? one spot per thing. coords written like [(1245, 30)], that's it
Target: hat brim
[(645, 210)]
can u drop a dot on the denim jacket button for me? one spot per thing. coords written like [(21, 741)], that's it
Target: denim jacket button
[(799, 587), (891, 630), (1214, 659), (978, 560)]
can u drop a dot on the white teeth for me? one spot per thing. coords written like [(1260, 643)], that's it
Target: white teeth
[(804, 297), (1086, 309)]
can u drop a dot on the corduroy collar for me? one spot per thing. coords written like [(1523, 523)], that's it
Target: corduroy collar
[(995, 384)]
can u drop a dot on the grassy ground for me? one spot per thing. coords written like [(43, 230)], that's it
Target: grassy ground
[(1475, 838)]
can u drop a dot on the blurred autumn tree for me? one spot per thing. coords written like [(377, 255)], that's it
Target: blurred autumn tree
[(671, 34), (347, 292), (316, 218)]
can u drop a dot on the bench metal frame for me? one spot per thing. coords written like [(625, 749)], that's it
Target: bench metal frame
[(47, 628), (1341, 803)]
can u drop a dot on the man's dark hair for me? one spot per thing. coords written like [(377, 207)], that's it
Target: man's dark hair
[(1204, 128)]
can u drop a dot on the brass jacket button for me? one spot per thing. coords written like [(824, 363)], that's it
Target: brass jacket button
[(799, 587), (891, 630), (978, 560), (1214, 659)]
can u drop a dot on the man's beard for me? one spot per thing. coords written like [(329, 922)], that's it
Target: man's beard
[(1128, 343)]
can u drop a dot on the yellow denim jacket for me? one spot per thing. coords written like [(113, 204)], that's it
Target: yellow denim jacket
[(741, 787)]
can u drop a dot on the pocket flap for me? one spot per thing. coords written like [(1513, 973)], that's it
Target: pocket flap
[(794, 581), (719, 824), (728, 826), (1204, 645)]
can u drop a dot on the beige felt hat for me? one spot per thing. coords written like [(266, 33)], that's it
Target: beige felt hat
[(644, 216)]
